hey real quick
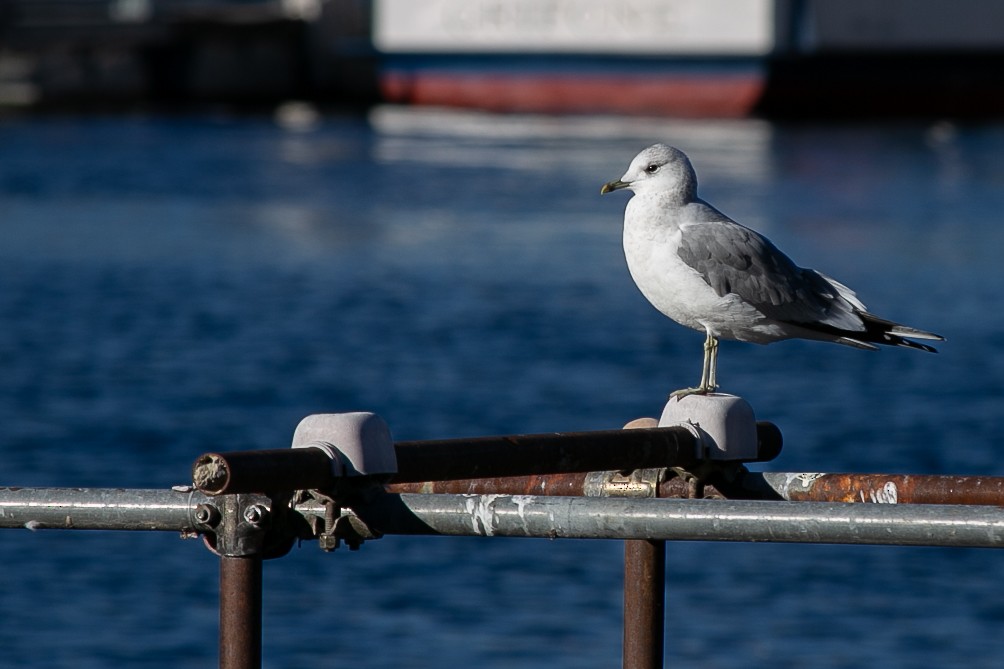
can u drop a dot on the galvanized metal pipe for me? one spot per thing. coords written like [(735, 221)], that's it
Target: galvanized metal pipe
[(644, 603), (688, 520), (240, 612), (171, 510), (100, 509)]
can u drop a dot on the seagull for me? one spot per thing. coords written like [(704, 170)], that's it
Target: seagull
[(707, 272)]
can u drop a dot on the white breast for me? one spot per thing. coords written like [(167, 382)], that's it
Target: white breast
[(681, 293)]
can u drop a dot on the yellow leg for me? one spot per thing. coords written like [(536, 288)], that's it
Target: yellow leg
[(709, 371), (711, 352)]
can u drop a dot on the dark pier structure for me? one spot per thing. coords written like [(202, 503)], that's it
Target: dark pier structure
[(116, 53), (927, 58)]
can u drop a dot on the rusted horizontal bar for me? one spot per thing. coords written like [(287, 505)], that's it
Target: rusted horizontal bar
[(445, 462), (578, 484), (273, 470), (543, 484), (795, 487), (536, 454), (567, 452), (881, 488), (510, 455), (479, 457)]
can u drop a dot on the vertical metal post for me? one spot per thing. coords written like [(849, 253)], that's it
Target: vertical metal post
[(644, 603), (240, 612)]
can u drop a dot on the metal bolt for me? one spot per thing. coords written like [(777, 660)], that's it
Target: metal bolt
[(207, 514), (331, 515), (256, 514), (327, 539), (328, 542)]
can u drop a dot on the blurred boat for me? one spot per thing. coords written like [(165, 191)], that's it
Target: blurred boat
[(716, 58)]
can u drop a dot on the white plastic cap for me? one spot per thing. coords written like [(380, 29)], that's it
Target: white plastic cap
[(358, 443), (725, 424)]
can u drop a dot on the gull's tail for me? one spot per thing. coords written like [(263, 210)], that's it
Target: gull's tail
[(880, 331), (851, 324)]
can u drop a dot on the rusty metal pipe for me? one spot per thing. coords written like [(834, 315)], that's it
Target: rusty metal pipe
[(264, 471), (790, 486), (536, 454), (545, 484), (511, 455), (479, 457), (882, 488), (539, 462), (555, 453), (560, 485), (240, 612), (644, 603)]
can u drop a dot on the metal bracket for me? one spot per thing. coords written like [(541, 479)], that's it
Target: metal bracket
[(637, 483), (243, 525), (340, 524)]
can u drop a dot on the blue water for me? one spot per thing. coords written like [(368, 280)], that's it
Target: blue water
[(177, 285)]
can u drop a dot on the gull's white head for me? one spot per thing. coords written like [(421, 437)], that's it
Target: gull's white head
[(660, 170)]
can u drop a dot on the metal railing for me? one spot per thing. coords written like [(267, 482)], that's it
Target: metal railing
[(644, 486)]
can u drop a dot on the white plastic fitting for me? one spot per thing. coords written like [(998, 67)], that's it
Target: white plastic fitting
[(725, 424), (358, 443)]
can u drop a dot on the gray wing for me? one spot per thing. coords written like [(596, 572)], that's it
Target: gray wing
[(734, 259)]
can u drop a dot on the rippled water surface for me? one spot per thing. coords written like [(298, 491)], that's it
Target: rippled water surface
[(170, 286)]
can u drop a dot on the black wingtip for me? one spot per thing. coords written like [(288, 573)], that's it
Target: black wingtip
[(894, 340), (895, 334)]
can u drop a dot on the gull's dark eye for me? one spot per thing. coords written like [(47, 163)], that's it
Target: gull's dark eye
[(652, 169)]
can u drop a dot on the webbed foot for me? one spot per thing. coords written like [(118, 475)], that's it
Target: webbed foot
[(683, 392)]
